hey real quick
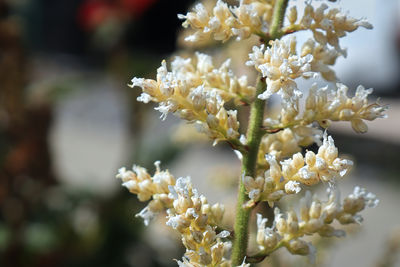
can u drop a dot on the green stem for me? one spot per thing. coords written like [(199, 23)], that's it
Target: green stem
[(275, 31), (254, 135)]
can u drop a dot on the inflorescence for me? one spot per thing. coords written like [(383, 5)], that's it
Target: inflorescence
[(208, 95)]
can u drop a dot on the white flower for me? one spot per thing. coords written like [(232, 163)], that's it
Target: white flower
[(147, 215), (325, 105), (223, 234), (328, 27), (124, 175), (183, 186), (281, 66), (145, 98), (164, 108), (224, 22), (174, 221), (370, 199), (292, 187)]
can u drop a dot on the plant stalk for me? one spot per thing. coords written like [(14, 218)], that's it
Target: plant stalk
[(254, 135)]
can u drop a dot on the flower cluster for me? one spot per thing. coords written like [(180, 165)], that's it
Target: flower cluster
[(286, 177), (326, 26), (316, 217), (224, 22), (197, 93), (188, 212), (146, 187), (287, 142), (323, 105), (196, 221), (281, 66), (273, 162), (322, 58)]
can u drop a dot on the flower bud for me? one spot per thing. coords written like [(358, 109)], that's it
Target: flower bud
[(287, 169), (271, 240), (292, 187), (218, 212), (299, 247), (359, 126), (292, 223), (212, 121), (260, 236), (304, 207), (187, 114), (346, 218), (329, 231), (352, 206), (199, 102), (217, 252), (313, 225), (212, 107), (281, 225), (209, 235), (269, 185), (189, 242), (275, 196), (321, 164), (310, 158), (315, 209), (131, 185), (197, 236), (292, 15), (346, 114), (155, 206), (201, 221), (232, 119), (330, 211), (150, 87), (298, 161), (205, 258)]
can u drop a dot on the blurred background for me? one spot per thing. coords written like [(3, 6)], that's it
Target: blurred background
[(68, 121)]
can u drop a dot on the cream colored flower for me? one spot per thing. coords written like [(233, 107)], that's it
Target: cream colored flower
[(323, 105), (327, 25), (281, 66), (188, 212), (287, 176), (146, 187), (287, 142), (323, 57), (315, 217), (195, 220), (224, 22), (197, 93), (200, 92)]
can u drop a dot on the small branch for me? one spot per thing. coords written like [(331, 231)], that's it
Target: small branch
[(237, 145), (292, 29), (280, 127), (272, 130), (259, 257)]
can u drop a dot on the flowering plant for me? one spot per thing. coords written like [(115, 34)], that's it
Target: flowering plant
[(273, 162)]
